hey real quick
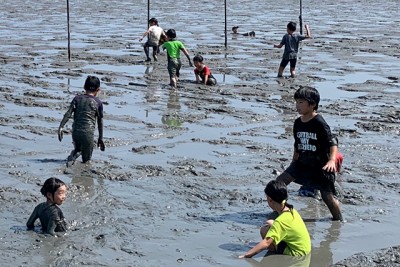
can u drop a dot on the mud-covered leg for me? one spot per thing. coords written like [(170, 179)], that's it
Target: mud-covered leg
[(72, 157), (333, 204)]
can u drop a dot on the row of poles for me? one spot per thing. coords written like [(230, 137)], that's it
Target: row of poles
[(148, 18)]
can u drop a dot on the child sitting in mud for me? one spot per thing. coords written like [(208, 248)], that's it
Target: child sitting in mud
[(86, 108), (202, 72), (291, 42), (314, 162), (174, 48), (286, 234), (50, 215)]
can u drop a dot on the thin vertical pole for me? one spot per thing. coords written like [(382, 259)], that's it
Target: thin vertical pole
[(301, 17), (148, 13), (226, 37), (69, 33)]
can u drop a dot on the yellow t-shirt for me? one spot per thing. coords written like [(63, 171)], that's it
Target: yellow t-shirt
[(290, 227)]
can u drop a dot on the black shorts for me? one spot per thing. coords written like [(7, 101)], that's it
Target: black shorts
[(293, 62), (314, 177)]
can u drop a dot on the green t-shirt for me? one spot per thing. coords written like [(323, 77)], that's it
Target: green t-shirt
[(290, 227), (174, 48)]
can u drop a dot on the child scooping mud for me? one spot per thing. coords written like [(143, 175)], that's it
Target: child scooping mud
[(50, 215), (287, 234), (87, 108), (202, 72)]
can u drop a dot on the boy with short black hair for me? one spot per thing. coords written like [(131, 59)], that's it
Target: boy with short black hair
[(174, 48), (315, 151), (203, 72), (291, 42), (86, 109)]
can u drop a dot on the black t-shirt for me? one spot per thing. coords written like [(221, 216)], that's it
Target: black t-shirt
[(313, 140)]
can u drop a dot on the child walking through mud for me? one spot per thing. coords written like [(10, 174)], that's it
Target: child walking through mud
[(286, 234), (174, 48), (314, 162), (155, 33), (291, 42), (50, 215), (86, 109)]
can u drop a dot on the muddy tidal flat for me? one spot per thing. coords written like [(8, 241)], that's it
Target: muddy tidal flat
[(181, 180)]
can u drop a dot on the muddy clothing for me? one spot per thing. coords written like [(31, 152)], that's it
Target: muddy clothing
[(86, 109), (291, 43), (206, 71), (313, 140), (174, 56), (289, 228), (154, 35), (51, 218)]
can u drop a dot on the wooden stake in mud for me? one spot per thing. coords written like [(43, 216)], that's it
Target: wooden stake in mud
[(301, 17), (226, 37), (69, 34)]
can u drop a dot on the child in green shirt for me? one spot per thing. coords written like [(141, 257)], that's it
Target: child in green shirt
[(287, 234)]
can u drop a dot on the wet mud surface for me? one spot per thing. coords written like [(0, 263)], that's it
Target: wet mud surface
[(181, 181)]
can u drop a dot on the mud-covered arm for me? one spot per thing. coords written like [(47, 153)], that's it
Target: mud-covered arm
[(100, 142), (65, 119), (263, 244), (184, 50), (30, 224)]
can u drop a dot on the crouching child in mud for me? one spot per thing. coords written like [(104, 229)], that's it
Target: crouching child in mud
[(286, 234), (50, 215), (314, 162), (202, 72), (86, 108)]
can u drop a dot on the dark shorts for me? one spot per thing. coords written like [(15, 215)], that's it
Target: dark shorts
[(284, 62), (313, 177), (211, 81), (150, 44), (174, 66)]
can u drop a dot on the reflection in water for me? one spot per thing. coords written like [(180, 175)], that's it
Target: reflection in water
[(172, 118), (281, 260), (323, 253)]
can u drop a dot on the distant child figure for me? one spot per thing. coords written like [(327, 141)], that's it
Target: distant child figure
[(287, 234), (291, 42), (174, 48), (86, 109), (202, 72), (235, 31), (50, 215), (314, 161), (155, 33)]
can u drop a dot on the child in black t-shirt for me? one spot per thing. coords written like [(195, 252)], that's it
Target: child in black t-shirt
[(315, 151), (86, 109)]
